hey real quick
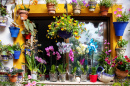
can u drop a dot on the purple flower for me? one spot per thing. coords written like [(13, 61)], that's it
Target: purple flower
[(51, 48), (105, 43), (47, 49), (109, 51), (71, 55), (108, 43), (36, 57), (84, 2), (115, 12), (87, 5), (54, 53), (58, 55), (82, 61), (44, 62), (48, 54)]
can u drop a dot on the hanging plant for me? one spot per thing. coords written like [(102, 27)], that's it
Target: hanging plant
[(65, 27), (92, 5)]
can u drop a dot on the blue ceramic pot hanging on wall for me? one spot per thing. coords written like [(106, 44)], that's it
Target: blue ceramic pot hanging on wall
[(14, 31), (64, 34), (17, 54), (119, 28)]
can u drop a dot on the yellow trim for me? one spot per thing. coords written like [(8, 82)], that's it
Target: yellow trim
[(40, 10)]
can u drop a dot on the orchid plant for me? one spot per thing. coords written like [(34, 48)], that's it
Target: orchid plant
[(105, 59), (122, 16)]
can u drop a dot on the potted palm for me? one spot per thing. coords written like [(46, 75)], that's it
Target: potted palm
[(14, 30), (77, 4), (121, 44), (23, 11), (122, 21), (17, 50), (13, 73), (104, 7), (65, 27), (122, 67), (31, 64), (3, 18), (84, 70), (53, 74), (29, 29), (92, 5), (62, 71), (93, 76), (51, 6)]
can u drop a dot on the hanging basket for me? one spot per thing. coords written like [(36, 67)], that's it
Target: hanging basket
[(23, 14), (76, 9), (120, 51), (104, 77), (17, 54), (3, 21), (121, 74), (64, 34), (92, 5), (104, 10), (12, 78), (28, 36), (5, 58), (51, 8), (119, 28), (14, 31)]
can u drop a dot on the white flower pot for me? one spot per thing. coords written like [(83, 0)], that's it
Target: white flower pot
[(34, 75)]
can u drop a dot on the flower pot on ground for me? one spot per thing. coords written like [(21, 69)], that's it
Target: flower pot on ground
[(72, 78), (13, 78), (120, 28), (41, 77), (121, 44), (62, 77), (104, 77), (92, 5), (14, 31), (83, 78), (5, 58), (34, 75), (93, 76), (17, 54), (104, 7), (53, 74)]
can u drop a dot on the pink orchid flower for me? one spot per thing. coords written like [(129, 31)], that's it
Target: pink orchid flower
[(34, 83), (51, 48), (119, 15), (82, 61), (29, 77), (115, 12), (47, 49)]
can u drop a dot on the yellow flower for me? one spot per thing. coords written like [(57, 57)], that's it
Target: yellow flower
[(58, 24), (65, 15), (62, 17), (54, 17), (62, 29), (83, 23), (56, 41), (63, 24), (22, 7), (69, 21), (48, 37), (47, 30), (77, 37), (49, 25), (75, 33), (85, 29), (65, 28), (52, 33), (80, 25), (71, 13), (51, 37), (35, 2), (74, 24), (75, 21), (0, 40)]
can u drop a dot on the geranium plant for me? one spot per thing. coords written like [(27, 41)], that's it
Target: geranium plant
[(122, 43), (121, 16), (106, 3), (65, 23)]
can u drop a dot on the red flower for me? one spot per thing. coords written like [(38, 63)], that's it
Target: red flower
[(115, 57), (126, 71), (126, 57), (120, 62)]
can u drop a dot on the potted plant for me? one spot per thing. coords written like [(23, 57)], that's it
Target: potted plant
[(14, 30), (122, 21), (77, 4), (29, 29), (122, 67), (53, 74), (31, 64), (3, 18), (121, 44), (93, 76), (105, 70), (23, 11), (65, 27), (17, 50), (92, 5), (84, 70), (13, 73), (62, 71), (72, 75), (104, 7), (41, 68), (51, 6)]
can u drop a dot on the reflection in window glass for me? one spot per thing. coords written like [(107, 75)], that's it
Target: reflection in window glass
[(95, 34)]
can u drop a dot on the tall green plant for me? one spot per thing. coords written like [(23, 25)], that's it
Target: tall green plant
[(53, 69), (74, 70), (42, 68), (62, 68), (93, 71)]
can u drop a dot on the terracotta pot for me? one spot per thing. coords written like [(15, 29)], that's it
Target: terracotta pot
[(28, 36), (12, 78), (23, 14), (121, 74), (76, 9), (51, 8), (104, 10), (120, 51)]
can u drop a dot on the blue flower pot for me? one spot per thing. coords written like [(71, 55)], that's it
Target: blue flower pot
[(14, 31), (17, 54), (64, 34), (119, 28)]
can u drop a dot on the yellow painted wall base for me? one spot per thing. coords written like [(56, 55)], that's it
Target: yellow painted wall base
[(40, 10)]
